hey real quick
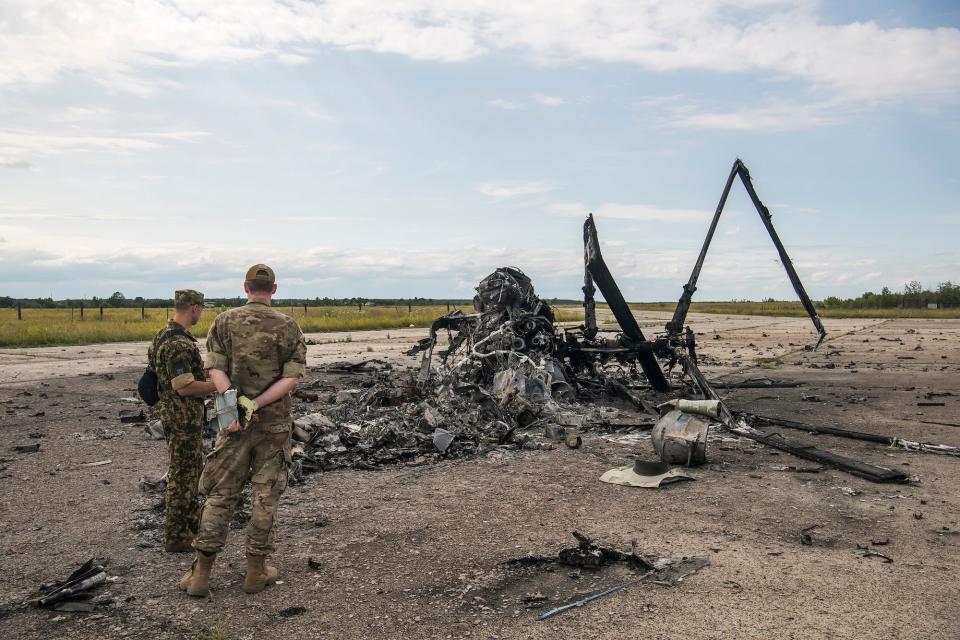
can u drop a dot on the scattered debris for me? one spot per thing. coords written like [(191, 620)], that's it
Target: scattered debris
[(26, 448), (99, 434), (591, 556), (867, 552), (74, 592), (942, 424), (155, 430), (872, 472), (580, 603), (681, 438), (892, 441), (99, 463), (442, 439), (786, 467), (159, 485), (132, 415), (806, 538)]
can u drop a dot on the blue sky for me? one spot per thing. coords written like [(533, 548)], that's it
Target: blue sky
[(409, 148)]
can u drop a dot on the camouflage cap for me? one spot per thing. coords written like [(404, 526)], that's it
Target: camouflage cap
[(187, 296), (261, 273)]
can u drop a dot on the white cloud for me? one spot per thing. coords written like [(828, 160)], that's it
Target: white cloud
[(118, 42), (768, 117), (559, 101), (15, 163), (506, 105), (780, 206), (658, 101), (620, 211), (301, 108), (568, 209), (102, 217), (513, 188), (35, 142)]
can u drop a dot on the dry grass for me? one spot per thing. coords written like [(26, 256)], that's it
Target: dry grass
[(44, 327)]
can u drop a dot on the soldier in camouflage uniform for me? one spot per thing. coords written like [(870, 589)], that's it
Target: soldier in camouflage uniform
[(261, 353), (181, 383)]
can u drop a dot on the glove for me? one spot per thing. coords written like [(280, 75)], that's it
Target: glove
[(246, 407)]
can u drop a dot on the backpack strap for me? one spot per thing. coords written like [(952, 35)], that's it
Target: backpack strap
[(166, 337)]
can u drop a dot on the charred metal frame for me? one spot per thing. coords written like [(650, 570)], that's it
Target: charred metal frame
[(678, 343), (675, 326), (585, 349)]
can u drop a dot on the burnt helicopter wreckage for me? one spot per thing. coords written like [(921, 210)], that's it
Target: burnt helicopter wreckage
[(512, 325), (511, 351), (509, 368)]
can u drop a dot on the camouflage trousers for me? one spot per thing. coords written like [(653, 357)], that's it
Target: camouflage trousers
[(260, 453), (185, 446)]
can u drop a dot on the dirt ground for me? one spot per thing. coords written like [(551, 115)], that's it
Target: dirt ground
[(417, 551)]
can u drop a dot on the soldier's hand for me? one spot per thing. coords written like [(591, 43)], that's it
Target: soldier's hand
[(247, 408)]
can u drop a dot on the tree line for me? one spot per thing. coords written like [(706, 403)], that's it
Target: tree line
[(913, 296)]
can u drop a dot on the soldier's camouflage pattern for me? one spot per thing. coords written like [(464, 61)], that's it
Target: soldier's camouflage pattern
[(256, 346), (177, 363)]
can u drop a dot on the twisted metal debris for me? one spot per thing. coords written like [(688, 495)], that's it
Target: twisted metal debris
[(508, 368)]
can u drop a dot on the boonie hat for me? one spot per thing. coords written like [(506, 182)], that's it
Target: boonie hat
[(645, 474), (261, 273)]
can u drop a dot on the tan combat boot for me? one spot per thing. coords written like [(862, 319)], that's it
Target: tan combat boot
[(259, 574), (196, 582)]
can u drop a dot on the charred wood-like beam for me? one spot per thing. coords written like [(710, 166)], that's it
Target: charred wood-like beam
[(618, 305), (872, 472), (589, 303), (675, 326), (892, 441), (816, 428)]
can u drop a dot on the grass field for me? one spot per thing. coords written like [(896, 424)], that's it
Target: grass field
[(795, 309), (44, 327)]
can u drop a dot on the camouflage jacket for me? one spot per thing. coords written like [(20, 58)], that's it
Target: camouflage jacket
[(177, 363), (256, 346)]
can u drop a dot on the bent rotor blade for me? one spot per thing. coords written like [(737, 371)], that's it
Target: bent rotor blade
[(621, 311)]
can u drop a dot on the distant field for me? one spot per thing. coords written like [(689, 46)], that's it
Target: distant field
[(43, 327), (794, 309)]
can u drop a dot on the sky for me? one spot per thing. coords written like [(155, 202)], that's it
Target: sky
[(408, 148)]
